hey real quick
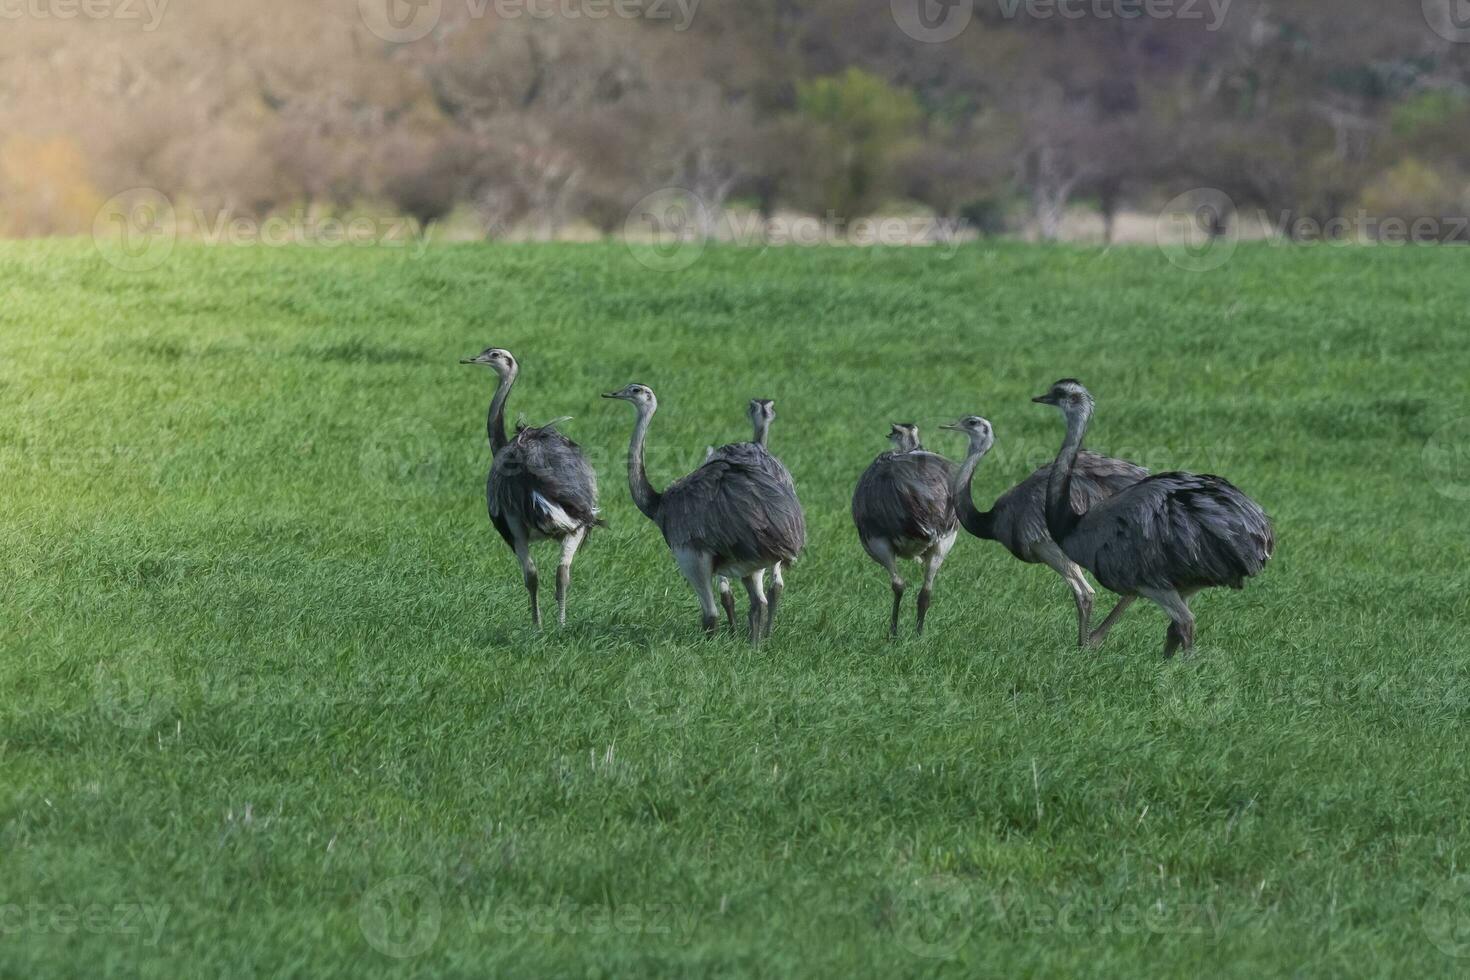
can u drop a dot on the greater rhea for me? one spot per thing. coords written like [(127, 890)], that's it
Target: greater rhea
[(761, 412), (1018, 518), (1164, 538), (737, 515), (540, 487), (904, 510)]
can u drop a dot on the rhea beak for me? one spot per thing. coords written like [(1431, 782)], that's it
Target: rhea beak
[(469, 360), (612, 394), (1044, 400), (949, 425)]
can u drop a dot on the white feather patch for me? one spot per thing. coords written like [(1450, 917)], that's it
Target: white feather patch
[(552, 517)]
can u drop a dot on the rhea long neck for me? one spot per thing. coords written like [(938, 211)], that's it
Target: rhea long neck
[(762, 432), (496, 423), (645, 498), (1060, 518), (980, 524)]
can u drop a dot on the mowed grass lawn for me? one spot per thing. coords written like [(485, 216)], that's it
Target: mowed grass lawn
[(270, 703)]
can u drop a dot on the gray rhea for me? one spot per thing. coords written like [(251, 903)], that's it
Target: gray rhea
[(1018, 519), (737, 515), (540, 487), (761, 412), (1165, 538), (903, 508)]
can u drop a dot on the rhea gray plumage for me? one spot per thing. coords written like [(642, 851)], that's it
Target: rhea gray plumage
[(904, 510), (737, 515), (1018, 519), (1164, 538), (540, 487), (761, 412)]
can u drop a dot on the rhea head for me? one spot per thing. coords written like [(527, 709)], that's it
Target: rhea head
[(978, 430), (762, 411), (493, 357), (904, 436), (640, 395), (1069, 396)]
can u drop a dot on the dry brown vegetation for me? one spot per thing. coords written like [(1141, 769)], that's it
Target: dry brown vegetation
[(1302, 108)]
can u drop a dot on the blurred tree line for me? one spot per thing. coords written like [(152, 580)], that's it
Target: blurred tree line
[(1304, 109)]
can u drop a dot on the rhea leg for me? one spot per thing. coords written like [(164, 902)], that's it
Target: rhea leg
[(569, 546), (528, 573), (727, 599), (1101, 633), (773, 597), (1082, 593), (698, 569), (883, 554), (755, 588), (932, 559), (1181, 629)]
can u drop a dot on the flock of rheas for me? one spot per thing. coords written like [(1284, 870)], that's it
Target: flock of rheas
[(1160, 537)]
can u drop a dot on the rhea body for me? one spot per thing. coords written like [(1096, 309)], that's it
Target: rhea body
[(1017, 520), (904, 510), (540, 487), (761, 412), (736, 516), (1164, 539)]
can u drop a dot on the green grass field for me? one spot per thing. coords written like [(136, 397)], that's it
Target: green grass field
[(270, 703)]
